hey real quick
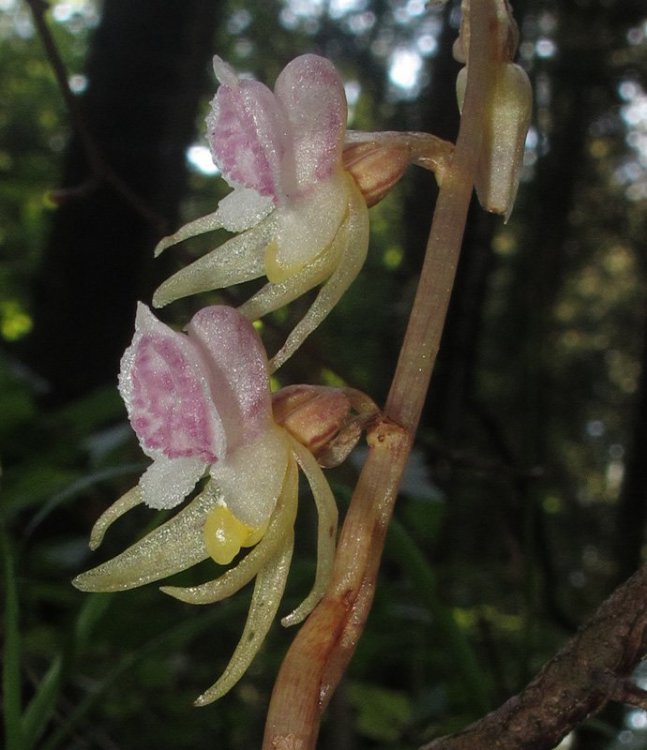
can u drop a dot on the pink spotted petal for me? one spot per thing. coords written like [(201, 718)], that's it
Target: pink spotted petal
[(313, 95), (247, 132), (166, 387), (238, 369)]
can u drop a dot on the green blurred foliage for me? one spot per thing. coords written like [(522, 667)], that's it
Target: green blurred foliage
[(505, 536), (33, 132)]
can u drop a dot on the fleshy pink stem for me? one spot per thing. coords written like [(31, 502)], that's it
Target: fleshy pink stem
[(323, 647)]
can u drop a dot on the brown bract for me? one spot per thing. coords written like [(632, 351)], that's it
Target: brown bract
[(327, 421)]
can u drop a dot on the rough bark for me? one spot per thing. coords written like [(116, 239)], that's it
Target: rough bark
[(592, 669)]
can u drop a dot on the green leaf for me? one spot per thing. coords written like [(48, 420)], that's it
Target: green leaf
[(41, 707), (403, 550), (11, 682), (382, 714)]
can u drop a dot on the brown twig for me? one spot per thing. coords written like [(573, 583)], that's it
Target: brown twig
[(99, 167), (322, 649), (592, 669)]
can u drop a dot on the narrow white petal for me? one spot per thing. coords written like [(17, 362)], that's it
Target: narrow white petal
[(239, 259), (174, 546), (125, 503), (326, 536), (208, 223), (266, 598), (234, 579)]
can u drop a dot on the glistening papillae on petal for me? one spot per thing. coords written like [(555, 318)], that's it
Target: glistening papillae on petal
[(279, 144), (168, 549), (281, 521), (167, 481), (238, 369), (252, 476), (241, 210), (165, 385), (215, 377), (350, 247), (194, 398), (248, 132), (313, 95), (306, 228)]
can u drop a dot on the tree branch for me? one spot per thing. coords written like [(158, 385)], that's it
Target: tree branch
[(592, 669), (99, 167)]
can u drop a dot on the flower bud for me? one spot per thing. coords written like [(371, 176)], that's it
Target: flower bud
[(506, 125), (327, 421), (314, 415), (376, 167)]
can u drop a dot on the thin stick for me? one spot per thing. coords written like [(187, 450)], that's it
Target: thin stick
[(99, 167), (323, 647)]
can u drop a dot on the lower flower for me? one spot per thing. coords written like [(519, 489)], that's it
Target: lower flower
[(201, 408), (206, 528)]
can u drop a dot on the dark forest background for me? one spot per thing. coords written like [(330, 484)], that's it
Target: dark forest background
[(525, 503)]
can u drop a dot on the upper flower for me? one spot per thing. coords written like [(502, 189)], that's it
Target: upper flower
[(201, 407), (303, 219)]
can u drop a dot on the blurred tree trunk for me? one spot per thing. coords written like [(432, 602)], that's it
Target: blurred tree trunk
[(147, 70)]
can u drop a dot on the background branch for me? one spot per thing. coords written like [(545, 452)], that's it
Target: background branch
[(100, 168), (592, 669)]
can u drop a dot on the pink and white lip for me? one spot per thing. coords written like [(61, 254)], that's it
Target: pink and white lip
[(199, 403)]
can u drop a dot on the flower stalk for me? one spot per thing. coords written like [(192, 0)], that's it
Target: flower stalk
[(323, 647)]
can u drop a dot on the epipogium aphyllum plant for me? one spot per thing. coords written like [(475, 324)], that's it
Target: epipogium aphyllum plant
[(200, 402)]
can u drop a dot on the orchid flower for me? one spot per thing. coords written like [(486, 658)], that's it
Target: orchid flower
[(201, 408), (301, 219)]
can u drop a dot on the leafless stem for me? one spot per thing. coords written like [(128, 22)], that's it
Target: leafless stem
[(322, 649)]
